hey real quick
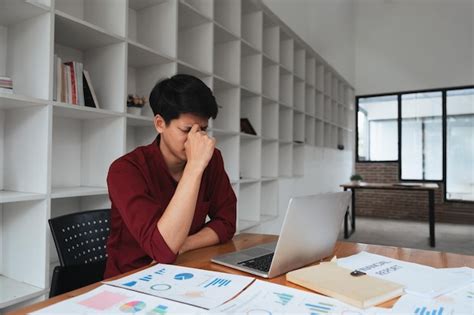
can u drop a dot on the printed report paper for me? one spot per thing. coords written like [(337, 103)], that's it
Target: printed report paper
[(460, 301), (418, 279), (111, 300), (197, 287), (268, 298)]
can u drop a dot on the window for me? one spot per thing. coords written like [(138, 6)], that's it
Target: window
[(422, 136), (377, 128), (460, 145)]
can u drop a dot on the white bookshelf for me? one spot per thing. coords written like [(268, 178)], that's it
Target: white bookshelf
[(258, 68)]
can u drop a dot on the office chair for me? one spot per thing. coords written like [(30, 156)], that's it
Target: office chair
[(80, 240)]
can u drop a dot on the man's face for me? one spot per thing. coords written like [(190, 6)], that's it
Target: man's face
[(175, 134)]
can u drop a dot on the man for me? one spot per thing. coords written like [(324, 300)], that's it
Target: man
[(161, 193)]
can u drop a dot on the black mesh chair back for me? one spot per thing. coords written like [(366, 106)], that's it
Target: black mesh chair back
[(80, 238)]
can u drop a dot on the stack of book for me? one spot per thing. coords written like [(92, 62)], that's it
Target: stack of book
[(72, 84), (6, 85)]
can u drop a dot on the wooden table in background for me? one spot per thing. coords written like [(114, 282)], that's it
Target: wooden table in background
[(430, 188), (201, 259)]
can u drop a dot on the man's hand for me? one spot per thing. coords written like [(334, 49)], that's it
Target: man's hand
[(199, 148)]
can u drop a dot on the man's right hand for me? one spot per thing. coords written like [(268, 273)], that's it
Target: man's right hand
[(199, 148)]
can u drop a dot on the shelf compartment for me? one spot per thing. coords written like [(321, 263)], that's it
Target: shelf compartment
[(142, 79), (250, 152), (319, 105), (285, 159), (285, 125), (27, 126), (310, 100), (270, 75), (269, 158), (320, 77), (83, 149), (109, 15), (22, 267), (228, 14), (194, 39), (310, 131), (18, 39), (269, 200), (310, 71), (299, 95), (271, 39), (203, 7), (251, 69), (251, 27), (248, 205), (299, 62), (328, 83), (319, 133), (105, 65), (228, 98), (138, 134), (226, 55), (251, 108), (286, 51), (15, 196), (17, 12), (298, 127), (140, 56), (77, 191), (286, 89), (229, 146), (146, 17), (270, 112), (298, 160)]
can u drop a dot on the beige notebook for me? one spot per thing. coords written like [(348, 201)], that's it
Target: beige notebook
[(337, 282)]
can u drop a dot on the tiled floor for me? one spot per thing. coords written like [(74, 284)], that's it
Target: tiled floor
[(454, 238)]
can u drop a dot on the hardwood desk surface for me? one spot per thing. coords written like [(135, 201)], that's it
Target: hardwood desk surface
[(201, 259), (392, 186)]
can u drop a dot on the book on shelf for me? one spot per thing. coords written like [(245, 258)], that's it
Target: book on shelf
[(70, 85), (352, 287), (6, 85), (90, 98)]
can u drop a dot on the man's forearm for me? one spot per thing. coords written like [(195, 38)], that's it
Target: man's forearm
[(203, 238)]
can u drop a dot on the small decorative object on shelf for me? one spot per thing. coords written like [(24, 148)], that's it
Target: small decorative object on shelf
[(340, 146), (135, 104), (246, 127), (6, 85), (356, 179)]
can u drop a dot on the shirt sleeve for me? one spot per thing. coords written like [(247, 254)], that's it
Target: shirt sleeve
[(222, 211), (140, 212)]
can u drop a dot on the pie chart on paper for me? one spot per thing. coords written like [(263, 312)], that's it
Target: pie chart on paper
[(183, 276), (133, 307)]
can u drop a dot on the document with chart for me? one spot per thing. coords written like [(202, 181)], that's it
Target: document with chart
[(197, 287), (111, 300), (269, 298)]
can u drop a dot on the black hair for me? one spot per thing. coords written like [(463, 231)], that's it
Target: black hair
[(180, 94)]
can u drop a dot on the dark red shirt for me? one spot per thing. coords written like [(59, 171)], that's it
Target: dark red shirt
[(140, 188)]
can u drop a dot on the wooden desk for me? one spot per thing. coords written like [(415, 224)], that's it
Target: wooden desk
[(430, 188), (201, 259)]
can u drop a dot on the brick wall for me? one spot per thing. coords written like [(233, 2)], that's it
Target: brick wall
[(404, 204)]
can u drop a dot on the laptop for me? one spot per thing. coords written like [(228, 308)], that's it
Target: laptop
[(309, 233)]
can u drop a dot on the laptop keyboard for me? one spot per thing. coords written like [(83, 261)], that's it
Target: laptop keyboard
[(261, 263)]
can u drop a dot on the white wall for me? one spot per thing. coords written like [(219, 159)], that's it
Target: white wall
[(410, 45), (326, 25)]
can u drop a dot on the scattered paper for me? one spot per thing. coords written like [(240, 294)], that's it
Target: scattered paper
[(111, 300), (197, 287), (458, 302), (418, 279), (269, 298)]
